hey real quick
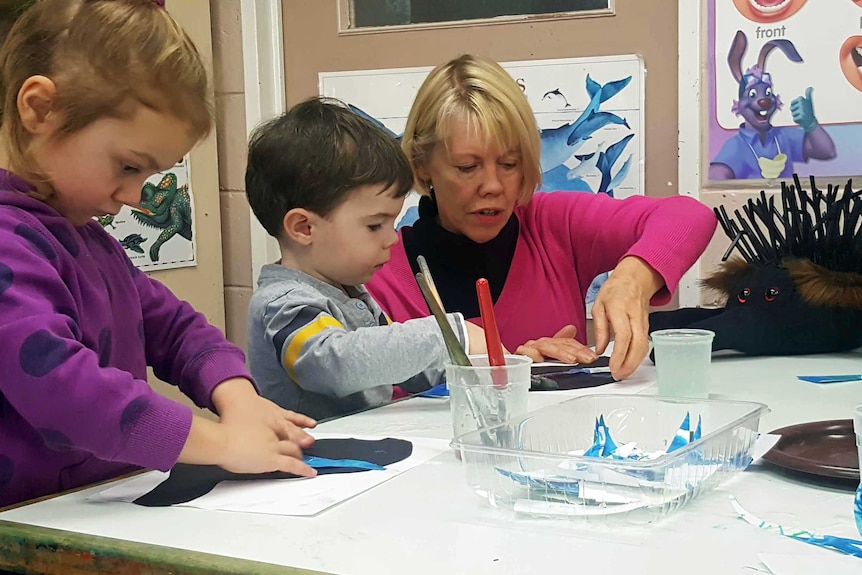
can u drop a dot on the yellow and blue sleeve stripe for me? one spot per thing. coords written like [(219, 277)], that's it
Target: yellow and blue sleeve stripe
[(298, 337)]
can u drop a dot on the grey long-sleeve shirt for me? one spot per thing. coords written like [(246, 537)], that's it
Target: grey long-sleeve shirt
[(324, 351)]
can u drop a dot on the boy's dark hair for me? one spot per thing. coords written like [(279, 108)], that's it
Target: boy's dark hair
[(313, 156)]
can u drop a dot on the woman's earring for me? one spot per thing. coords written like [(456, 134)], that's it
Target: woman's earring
[(431, 191)]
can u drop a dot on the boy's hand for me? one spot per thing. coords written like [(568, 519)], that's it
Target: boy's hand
[(238, 403)]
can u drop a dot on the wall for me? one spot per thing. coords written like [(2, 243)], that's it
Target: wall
[(230, 124)]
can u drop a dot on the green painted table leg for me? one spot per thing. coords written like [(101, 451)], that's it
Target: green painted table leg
[(37, 550)]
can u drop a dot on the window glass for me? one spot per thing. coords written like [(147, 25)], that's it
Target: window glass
[(372, 13)]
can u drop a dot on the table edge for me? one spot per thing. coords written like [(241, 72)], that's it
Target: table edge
[(54, 551)]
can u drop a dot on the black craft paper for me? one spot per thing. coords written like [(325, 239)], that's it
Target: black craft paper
[(188, 482), (567, 381)]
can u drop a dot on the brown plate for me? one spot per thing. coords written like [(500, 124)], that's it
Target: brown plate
[(825, 448)]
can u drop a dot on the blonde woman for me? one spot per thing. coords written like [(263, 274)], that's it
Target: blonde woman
[(474, 147)]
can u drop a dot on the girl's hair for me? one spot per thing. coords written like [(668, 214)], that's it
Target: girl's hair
[(479, 92), (102, 55)]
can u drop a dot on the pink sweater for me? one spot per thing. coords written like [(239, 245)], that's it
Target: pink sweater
[(566, 239)]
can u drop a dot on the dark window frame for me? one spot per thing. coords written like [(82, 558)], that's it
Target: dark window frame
[(346, 19)]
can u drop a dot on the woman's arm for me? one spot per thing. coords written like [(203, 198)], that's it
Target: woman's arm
[(649, 243)]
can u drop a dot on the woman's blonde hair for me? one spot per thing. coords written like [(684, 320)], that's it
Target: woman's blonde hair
[(100, 55), (481, 93)]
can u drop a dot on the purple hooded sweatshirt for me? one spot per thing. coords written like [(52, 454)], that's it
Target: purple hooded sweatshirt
[(79, 325)]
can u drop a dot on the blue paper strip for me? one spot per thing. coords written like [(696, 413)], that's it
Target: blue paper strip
[(829, 378), (323, 462), (436, 391)]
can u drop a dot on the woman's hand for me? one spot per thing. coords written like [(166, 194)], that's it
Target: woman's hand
[(623, 306), (563, 347)]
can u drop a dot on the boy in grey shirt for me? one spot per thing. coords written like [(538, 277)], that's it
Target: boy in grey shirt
[(328, 185)]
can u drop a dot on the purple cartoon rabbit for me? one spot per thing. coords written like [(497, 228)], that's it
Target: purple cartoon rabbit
[(759, 150)]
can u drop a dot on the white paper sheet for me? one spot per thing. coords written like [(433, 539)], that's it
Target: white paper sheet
[(824, 562), (285, 496)]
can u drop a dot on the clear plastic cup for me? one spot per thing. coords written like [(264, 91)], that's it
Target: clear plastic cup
[(479, 400), (682, 362)]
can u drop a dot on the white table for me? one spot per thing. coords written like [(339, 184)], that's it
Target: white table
[(428, 520)]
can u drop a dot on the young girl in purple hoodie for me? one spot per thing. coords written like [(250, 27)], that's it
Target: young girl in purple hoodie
[(97, 96)]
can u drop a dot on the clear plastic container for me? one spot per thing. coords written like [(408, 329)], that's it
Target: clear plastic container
[(531, 469)]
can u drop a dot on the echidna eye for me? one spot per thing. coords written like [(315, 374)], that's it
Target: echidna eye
[(743, 295), (771, 293)]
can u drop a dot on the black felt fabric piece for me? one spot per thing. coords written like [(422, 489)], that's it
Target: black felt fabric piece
[(582, 380), (188, 482)]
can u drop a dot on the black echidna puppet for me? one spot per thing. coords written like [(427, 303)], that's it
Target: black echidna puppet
[(797, 287)]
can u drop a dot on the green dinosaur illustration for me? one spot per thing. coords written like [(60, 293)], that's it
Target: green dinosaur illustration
[(166, 207), (133, 242), (106, 220)]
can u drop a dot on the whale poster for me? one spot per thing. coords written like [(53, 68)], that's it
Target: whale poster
[(783, 89), (589, 112)]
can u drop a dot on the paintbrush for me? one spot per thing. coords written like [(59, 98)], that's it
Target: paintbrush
[(426, 271), (492, 334), (456, 353)]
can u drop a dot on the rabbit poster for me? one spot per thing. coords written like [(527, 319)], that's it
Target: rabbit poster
[(784, 89)]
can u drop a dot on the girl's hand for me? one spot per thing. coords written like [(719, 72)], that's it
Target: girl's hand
[(255, 435), (258, 449), (242, 448), (562, 347), (238, 403)]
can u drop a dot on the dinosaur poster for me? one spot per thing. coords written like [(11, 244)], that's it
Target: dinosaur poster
[(160, 233), (589, 111), (783, 89)]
